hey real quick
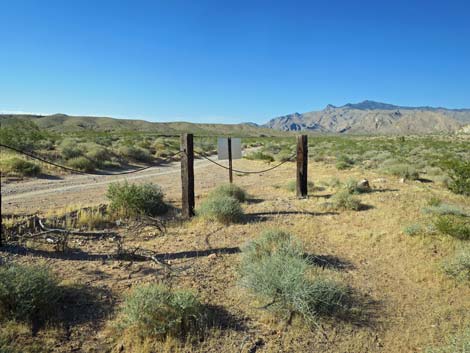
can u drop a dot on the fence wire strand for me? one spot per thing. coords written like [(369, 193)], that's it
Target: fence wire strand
[(246, 171), (73, 170)]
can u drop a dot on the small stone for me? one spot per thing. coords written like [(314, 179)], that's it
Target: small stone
[(364, 185), (402, 180), (212, 256)]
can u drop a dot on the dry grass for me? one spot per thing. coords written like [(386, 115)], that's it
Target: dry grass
[(407, 303)]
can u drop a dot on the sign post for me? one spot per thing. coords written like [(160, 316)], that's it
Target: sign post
[(302, 166), (230, 149), (230, 172)]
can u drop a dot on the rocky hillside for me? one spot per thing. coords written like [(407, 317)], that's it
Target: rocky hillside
[(370, 117), (66, 123)]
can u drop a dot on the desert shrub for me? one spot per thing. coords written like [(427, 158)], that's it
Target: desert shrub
[(81, 163), (21, 134), (275, 268), (156, 311), (445, 209), (413, 229), (459, 265), (344, 162), (230, 190), (459, 343), (28, 293), (98, 154), (454, 226), (220, 208), (343, 200), (259, 155), (135, 153), (459, 174), (292, 186), (69, 148), (19, 166), (404, 171), (132, 199)]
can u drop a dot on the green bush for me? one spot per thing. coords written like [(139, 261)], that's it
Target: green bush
[(230, 190), (19, 166), (156, 311), (132, 199), (259, 155), (81, 163), (413, 229), (21, 134), (459, 265), (135, 153), (69, 148), (343, 200), (459, 173), (98, 154), (28, 293), (220, 208), (275, 268), (445, 209), (344, 162), (459, 343), (404, 171), (454, 226)]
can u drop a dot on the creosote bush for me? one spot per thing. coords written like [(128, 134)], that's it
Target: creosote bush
[(81, 163), (133, 200), (454, 226), (28, 293), (343, 200), (458, 266), (220, 208), (156, 311), (19, 166), (404, 171), (259, 155), (459, 173), (230, 190), (275, 268)]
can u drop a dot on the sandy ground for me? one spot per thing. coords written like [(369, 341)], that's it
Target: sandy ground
[(408, 304)]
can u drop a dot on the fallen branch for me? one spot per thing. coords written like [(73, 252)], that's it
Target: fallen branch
[(73, 232)]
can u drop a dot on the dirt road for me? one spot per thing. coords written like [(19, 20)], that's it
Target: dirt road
[(35, 195), (52, 192)]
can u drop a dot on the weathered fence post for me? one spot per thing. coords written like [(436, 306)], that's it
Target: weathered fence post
[(187, 175), (302, 165), (1, 216), (230, 172)]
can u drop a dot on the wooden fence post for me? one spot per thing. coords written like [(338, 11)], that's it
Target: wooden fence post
[(187, 175), (302, 165), (230, 171)]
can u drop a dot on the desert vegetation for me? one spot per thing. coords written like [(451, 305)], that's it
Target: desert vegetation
[(375, 259)]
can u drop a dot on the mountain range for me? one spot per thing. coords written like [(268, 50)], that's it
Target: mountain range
[(369, 117)]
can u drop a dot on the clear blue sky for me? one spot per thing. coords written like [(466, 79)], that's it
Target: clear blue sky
[(230, 61)]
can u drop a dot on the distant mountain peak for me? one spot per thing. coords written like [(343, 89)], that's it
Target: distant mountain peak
[(370, 105)]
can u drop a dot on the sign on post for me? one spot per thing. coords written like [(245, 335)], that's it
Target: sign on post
[(222, 148), (229, 148)]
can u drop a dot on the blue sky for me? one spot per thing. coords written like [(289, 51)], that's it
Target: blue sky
[(230, 61)]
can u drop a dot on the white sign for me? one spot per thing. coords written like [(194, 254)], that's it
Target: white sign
[(222, 148)]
